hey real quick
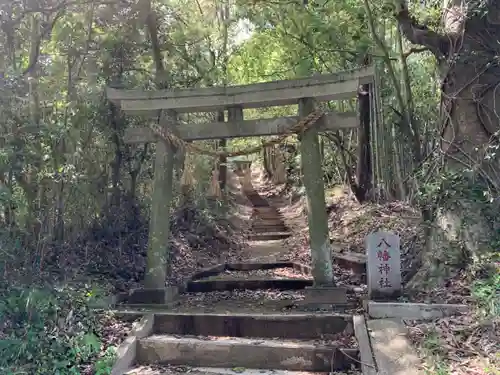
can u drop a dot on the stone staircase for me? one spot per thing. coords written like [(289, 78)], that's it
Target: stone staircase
[(237, 333), (244, 343), (267, 222)]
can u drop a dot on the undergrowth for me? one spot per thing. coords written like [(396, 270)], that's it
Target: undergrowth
[(52, 331), (48, 325), (487, 295)]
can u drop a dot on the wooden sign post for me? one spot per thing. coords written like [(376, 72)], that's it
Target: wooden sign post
[(383, 264)]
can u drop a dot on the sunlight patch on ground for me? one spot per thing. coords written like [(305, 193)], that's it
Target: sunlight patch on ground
[(335, 192)]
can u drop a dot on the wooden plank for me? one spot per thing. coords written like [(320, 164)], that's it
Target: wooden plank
[(380, 310), (311, 164), (243, 128), (365, 349), (393, 352), (363, 75)]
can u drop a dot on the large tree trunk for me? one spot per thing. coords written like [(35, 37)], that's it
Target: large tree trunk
[(467, 53)]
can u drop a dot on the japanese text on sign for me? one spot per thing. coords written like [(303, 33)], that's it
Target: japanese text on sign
[(383, 262), (383, 256)]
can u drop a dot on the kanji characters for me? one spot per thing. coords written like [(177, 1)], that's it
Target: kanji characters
[(384, 268), (385, 283), (383, 241), (383, 255)]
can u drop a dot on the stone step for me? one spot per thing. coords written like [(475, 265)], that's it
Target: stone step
[(289, 326), (268, 229), (234, 352), (269, 236), (268, 218), (273, 220), (268, 211), (203, 286), (268, 222), (182, 370)]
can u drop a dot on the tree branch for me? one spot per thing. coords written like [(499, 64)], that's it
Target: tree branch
[(414, 50), (416, 33), (35, 51)]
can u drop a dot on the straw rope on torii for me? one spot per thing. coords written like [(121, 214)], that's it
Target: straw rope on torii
[(301, 126)]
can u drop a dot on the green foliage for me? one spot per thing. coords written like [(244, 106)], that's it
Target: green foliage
[(434, 352), (48, 331), (487, 294)]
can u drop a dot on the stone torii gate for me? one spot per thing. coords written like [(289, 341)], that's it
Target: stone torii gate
[(234, 99)]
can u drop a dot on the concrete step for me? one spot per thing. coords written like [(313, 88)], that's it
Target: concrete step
[(265, 210), (182, 370), (204, 286), (269, 236), (274, 220), (293, 355), (267, 219), (268, 213), (268, 223), (268, 229), (289, 326)]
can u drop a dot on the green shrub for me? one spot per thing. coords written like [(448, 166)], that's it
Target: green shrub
[(48, 331)]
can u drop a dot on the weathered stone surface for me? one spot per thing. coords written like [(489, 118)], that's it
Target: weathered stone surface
[(270, 236), (311, 165), (289, 326), (242, 128), (201, 286), (127, 351), (354, 261), (383, 264), (321, 87), (365, 350), (245, 353), (146, 370), (325, 295), (393, 352), (413, 310)]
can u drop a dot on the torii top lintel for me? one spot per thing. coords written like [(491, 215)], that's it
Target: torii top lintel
[(341, 85)]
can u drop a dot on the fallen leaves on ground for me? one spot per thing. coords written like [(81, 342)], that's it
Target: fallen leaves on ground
[(467, 344), (277, 273)]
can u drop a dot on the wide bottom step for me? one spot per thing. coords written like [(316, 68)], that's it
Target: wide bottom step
[(182, 370), (233, 352)]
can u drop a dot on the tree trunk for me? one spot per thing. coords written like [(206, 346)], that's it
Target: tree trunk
[(364, 168), (467, 53)]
